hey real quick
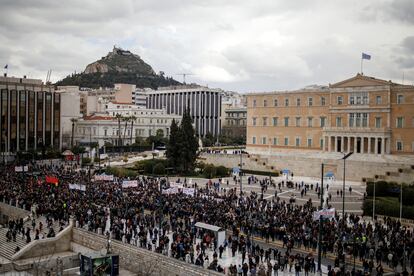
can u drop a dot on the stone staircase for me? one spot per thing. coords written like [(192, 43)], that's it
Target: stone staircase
[(8, 249), (262, 162)]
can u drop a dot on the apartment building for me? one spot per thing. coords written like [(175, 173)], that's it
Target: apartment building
[(362, 114)]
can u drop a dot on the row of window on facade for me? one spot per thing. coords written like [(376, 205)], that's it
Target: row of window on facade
[(275, 141), (236, 114), (399, 145), (136, 113), (114, 131), (359, 99), (231, 122), (354, 120)]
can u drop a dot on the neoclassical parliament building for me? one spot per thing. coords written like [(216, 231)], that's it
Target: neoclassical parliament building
[(362, 114)]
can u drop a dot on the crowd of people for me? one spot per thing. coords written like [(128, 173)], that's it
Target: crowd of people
[(165, 223)]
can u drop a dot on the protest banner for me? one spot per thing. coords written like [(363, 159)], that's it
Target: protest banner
[(129, 183), (52, 180), (104, 177), (77, 187), (325, 213)]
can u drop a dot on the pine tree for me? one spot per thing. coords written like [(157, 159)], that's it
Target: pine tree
[(188, 143), (173, 147)]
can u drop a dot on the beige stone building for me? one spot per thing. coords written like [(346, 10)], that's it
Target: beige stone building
[(361, 114)]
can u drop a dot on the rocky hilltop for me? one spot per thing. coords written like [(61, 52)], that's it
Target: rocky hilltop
[(118, 66), (120, 60)]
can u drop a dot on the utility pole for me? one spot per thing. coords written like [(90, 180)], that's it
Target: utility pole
[(346, 156), (241, 170), (320, 224), (401, 200), (373, 202)]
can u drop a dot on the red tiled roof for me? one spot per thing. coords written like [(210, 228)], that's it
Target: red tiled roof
[(96, 118)]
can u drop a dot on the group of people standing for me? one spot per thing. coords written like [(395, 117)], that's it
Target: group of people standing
[(165, 223)]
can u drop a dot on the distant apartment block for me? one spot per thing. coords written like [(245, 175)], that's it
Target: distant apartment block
[(204, 103)]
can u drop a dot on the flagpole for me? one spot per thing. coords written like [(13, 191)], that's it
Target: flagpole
[(362, 60)]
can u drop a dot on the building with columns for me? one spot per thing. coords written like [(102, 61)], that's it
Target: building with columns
[(204, 104), (362, 114)]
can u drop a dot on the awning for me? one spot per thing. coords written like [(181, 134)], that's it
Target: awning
[(329, 174), (208, 226), (67, 153)]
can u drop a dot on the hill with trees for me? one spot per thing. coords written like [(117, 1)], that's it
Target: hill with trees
[(118, 66)]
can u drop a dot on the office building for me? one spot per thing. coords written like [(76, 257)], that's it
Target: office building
[(30, 115), (204, 104)]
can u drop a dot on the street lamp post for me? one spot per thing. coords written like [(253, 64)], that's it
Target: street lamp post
[(241, 170), (373, 202), (401, 199), (320, 225), (346, 156)]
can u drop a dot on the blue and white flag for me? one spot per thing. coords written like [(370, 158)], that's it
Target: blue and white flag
[(366, 56), (6, 66)]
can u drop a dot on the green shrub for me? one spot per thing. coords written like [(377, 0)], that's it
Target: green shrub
[(275, 174), (222, 171), (86, 160), (149, 166), (159, 169), (96, 160), (209, 171), (391, 189), (388, 206)]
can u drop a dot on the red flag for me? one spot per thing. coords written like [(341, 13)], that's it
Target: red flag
[(52, 180)]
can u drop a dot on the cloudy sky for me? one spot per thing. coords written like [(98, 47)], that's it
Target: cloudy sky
[(246, 46)]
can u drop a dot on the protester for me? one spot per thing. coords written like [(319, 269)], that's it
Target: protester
[(144, 216)]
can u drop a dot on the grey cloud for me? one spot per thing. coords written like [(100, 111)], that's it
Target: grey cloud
[(243, 45), (408, 44), (402, 10)]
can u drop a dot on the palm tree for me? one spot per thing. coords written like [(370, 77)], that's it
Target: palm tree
[(132, 118), (119, 117), (73, 120), (126, 120)]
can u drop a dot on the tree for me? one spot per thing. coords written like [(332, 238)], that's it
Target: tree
[(188, 143), (208, 141), (119, 117), (173, 148), (133, 118), (126, 120), (73, 120)]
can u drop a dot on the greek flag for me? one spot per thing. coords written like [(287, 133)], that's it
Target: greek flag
[(366, 56)]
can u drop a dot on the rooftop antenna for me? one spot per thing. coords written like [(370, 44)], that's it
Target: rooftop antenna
[(184, 75), (49, 73)]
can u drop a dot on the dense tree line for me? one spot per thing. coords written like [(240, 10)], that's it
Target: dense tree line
[(182, 147), (96, 80)]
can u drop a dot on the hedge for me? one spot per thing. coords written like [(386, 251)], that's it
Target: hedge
[(388, 206), (391, 189), (151, 166), (275, 174), (121, 172), (211, 171)]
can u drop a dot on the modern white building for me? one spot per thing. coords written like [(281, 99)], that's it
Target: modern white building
[(204, 104)]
